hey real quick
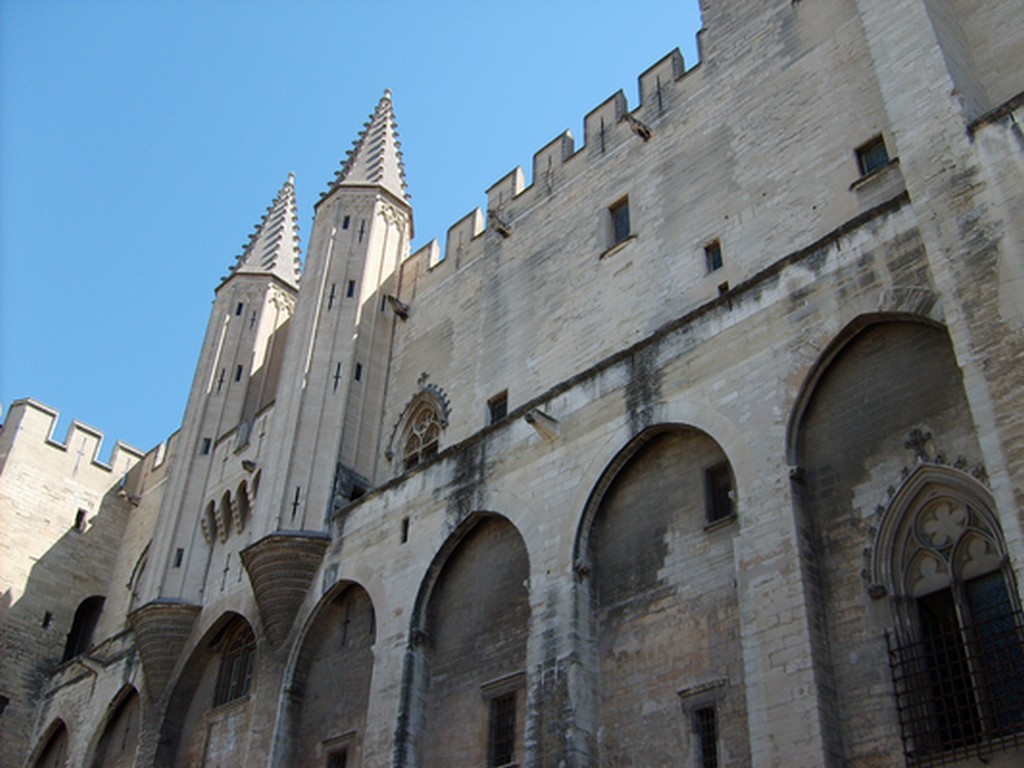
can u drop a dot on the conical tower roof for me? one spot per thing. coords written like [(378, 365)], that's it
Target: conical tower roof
[(273, 247), (376, 157)]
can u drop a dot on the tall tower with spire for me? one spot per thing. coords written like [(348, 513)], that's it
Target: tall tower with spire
[(235, 379), (327, 421)]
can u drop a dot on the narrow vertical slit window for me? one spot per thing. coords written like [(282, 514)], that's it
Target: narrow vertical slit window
[(497, 407), (238, 373), (713, 256), (501, 741), (718, 490), (705, 728), (619, 213)]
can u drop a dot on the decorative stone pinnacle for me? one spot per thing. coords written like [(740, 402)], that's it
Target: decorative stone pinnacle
[(272, 245)]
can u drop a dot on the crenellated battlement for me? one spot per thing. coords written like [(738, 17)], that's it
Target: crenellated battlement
[(28, 420), (606, 128)]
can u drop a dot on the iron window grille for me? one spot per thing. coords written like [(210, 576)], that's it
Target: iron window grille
[(960, 687)]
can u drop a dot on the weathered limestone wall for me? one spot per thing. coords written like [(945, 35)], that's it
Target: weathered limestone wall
[(856, 310), (63, 524), (754, 149)]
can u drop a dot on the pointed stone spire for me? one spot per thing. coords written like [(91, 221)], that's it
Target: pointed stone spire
[(273, 247), (376, 157)]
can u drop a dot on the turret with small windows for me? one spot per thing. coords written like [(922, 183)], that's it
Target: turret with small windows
[(327, 419), (209, 491)]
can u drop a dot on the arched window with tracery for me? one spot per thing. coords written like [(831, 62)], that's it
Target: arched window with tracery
[(957, 655), (422, 435), (238, 656)]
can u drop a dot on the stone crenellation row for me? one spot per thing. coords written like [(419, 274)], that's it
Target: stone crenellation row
[(605, 128), (30, 417)]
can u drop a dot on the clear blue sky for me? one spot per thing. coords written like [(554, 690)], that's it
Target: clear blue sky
[(140, 142)]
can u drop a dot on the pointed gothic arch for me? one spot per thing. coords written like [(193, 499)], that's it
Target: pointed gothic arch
[(118, 738), (885, 398), (209, 708), (957, 652), (464, 695), (326, 710), (416, 437), (83, 627), (658, 623), (52, 749)]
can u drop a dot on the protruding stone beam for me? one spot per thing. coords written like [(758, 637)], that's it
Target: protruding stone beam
[(162, 627), (281, 567)]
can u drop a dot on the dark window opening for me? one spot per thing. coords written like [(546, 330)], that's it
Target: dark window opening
[(497, 407), (82, 627), (501, 741), (723, 288), (240, 308), (345, 222), (206, 446), (359, 371), (236, 665), (339, 758), (47, 619), (80, 520), (960, 682), (705, 726), (238, 373), (713, 256), (350, 291), (872, 156), (718, 489), (220, 379), (179, 555), (620, 220), (405, 530)]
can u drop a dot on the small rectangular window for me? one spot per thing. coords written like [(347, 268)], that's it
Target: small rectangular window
[(718, 487), (359, 371), (238, 373), (713, 256), (206, 446), (501, 741), (620, 220), (240, 308), (405, 530), (497, 407), (872, 156), (47, 619), (179, 555), (345, 222), (705, 728), (350, 291), (338, 759), (80, 520)]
